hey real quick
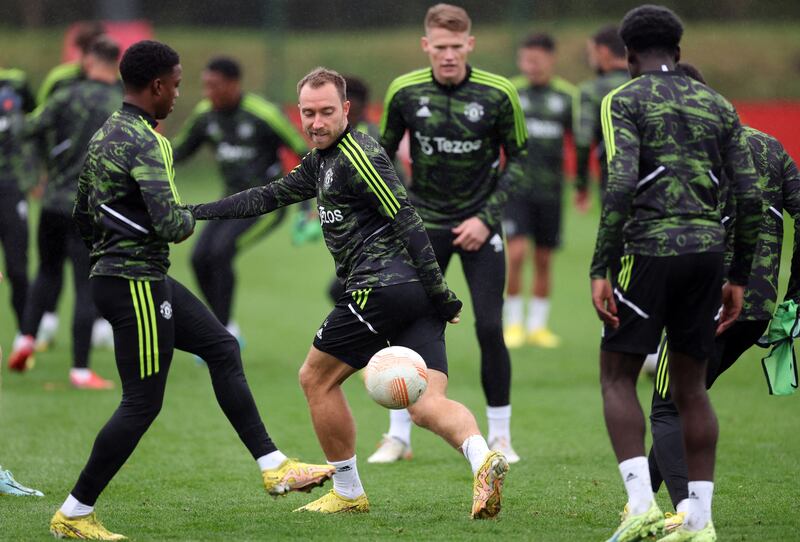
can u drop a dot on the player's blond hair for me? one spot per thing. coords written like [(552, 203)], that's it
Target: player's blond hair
[(321, 76), (449, 17)]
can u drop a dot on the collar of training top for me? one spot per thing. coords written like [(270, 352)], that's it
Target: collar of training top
[(453, 88), (139, 112), (335, 144)]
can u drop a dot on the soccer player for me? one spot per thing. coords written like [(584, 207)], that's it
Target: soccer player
[(68, 73), (16, 100), (606, 53), (62, 76), (535, 212), (394, 292), (64, 125), (670, 142), (246, 133), (780, 190), (128, 210), (458, 118)]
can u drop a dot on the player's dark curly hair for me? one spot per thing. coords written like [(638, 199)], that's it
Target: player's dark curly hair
[(650, 27), (146, 60), (539, 40), (609, 36), (225, 66)]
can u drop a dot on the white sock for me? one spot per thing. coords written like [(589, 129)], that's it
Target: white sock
[(345, 480), (475, 450), (271, 461), (49, 323), (636, 475), (512, 309), (499, 422), (699, 513), (80, 373), (233, 329), (538, 311), (683, 507), (72, 507), (400, 425)]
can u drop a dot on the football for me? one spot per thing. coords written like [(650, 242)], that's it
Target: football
[(396, 377)]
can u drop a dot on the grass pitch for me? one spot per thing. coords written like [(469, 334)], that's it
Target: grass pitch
[(191, 478)]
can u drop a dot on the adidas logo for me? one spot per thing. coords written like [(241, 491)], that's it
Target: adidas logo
[(345, 468), (630, 477), (319, 333), (693, 495), (424, 111)]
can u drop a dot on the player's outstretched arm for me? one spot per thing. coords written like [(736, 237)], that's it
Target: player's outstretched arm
[(80, 213), (192, 134), (300, 184)]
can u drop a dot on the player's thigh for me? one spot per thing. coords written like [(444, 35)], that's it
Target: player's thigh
[(197, 330), (546, 224), (52, 235), (485, 271), (420, 328), (693, 306), (143, 337), (640, 294), (442, 244)]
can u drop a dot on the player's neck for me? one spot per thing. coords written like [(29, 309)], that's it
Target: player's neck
[(452, 81), (141, 103), (656, 63)]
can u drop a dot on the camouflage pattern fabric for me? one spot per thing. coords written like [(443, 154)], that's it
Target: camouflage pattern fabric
[(548, 113), (587, 127), (15, 100), (245, 139), (59, 77), (370, 228), (668, 140), (128, 208), (780, 189), (456, 135), (62, 128)]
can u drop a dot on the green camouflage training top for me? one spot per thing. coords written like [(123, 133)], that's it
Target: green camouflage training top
[(587, 127), (456, 135), (373, 233), (127, 208), (780, 191), (245, 138), (62, 128), (59, 77), (15, 100), (668, 140), (548, 116)]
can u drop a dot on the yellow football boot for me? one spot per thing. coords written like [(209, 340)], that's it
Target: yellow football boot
[(673, 521), (292, 475), (543, 338), (645, 526), (84, 527), (333, 503), (487, 487), (514, 336), (706, 534)]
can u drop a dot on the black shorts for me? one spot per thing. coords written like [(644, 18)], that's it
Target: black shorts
[(537, 219), (680, 293), (364, 321)]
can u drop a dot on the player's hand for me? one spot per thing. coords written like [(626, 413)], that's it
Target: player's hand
[(456, 319), (582, 201), (471, 234), (732, 299), (603, 301)]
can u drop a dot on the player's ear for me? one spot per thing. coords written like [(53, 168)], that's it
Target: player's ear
[(470, 43), (346, 107), (424, 43), (677, 54), (155, 86)]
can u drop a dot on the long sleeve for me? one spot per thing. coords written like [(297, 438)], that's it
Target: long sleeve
[(192, 134), (80, 213), (791, 204), (514, 139), (298, 185), (392, 126), (738, 166), (583, 130), (622, 151), (153, 171)]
